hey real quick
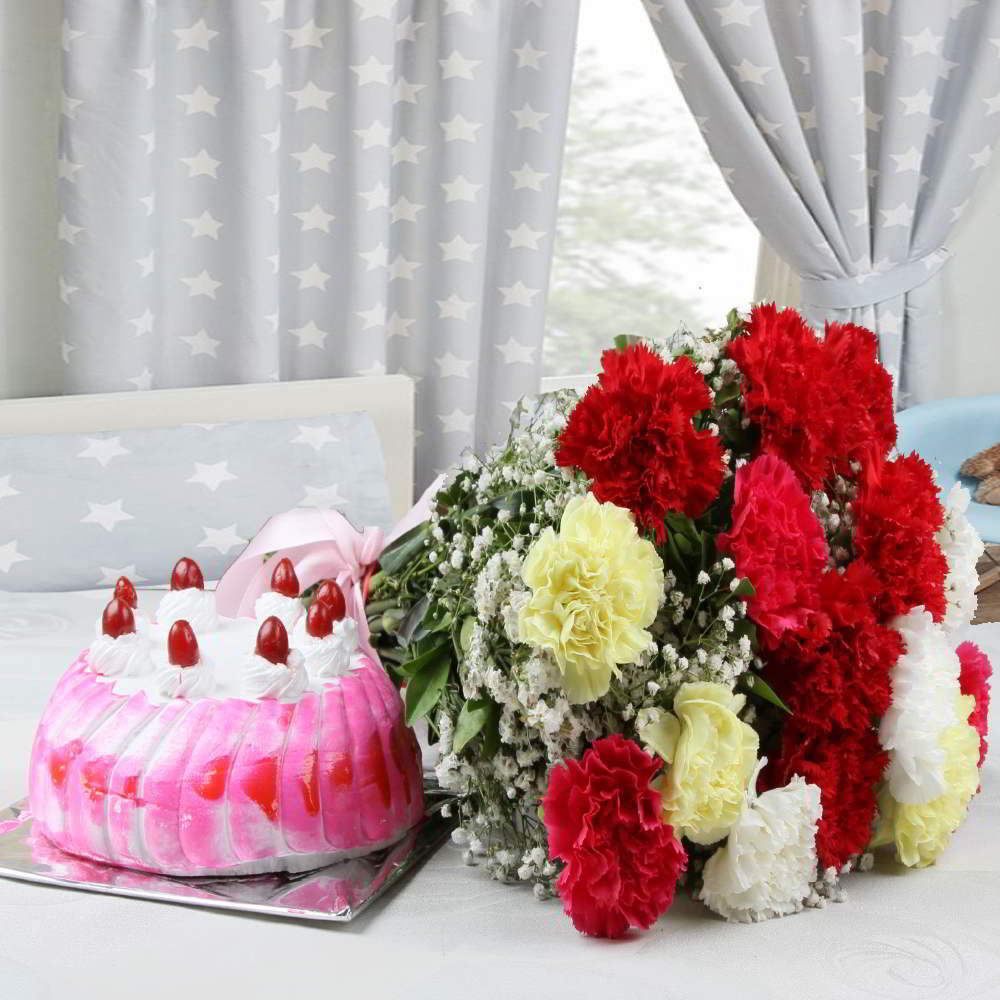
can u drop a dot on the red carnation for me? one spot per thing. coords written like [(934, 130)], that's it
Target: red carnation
[(837, 674), (604, 821), (783, 367), (861, 392), (975, 680), (778, 543), (847, 767), (633, 435), (835, 677), (898, 513), (818, 404)]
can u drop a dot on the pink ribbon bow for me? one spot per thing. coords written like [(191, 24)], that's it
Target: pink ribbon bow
[(322, 545)]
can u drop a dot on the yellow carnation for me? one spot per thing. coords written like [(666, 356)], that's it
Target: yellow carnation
[(711, 753), (921, 832), (596, 587)]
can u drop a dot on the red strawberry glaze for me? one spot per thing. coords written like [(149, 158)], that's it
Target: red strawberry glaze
[(319, 620), (254, 800), (68, 738), (272, 640), (117, 619), (163, 783), (283, 579), (329, 592), (368, 762), (211, 783), (125, 591), (403, 747), (337, 789), (260, 784), (389, 780), (62, 702), (300, 793), (207, 777), (182, 646), (90, 783), (187, 573)]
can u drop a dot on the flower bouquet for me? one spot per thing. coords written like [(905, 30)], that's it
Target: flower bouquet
[(692, 629)]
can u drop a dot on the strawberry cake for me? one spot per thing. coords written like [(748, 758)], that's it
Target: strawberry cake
[(191, 744)]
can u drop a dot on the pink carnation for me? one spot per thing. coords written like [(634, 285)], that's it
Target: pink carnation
[(776, 542), (975, 680), (605, 822)]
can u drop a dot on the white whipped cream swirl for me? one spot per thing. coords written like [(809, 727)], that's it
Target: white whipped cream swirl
[(185, 682), (194, 606), (333, 655), (126, 656), (282, 681), (288, 609)]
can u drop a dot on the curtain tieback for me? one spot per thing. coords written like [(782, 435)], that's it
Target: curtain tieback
[(872, 286)]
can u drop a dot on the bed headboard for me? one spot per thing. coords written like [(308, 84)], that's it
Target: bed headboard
[(387, 398)]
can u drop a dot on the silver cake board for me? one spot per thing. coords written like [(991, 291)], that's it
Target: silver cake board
[(338, 892)]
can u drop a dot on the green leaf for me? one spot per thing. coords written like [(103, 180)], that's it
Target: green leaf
[(412, 621), (707, 550), (511, 502), (413, 667), (762, 689), (491, 736), (437, 620), (727, 394), (424, 690), (674, 558), (471, 720), (465, 635), (408, 546), (745, 589), (623, 340)]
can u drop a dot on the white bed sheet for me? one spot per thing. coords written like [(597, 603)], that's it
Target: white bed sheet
[(450, 932)]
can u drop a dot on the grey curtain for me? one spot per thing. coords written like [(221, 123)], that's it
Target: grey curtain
[(853, 133), (262, 189)]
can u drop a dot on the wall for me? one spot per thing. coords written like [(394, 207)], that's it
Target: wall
[(972, 293), (30, 362)]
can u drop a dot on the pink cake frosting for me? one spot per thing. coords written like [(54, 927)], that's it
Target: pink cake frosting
[(223, 784)]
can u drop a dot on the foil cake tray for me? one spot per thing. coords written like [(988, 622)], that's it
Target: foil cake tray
[(338, 892)]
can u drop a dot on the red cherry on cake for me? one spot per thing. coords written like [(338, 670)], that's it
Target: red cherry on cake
[(182, 646), (272, 641), (186, 574), (329, 593), (319, 620), (117, 619), (283, 579), (125, 591)]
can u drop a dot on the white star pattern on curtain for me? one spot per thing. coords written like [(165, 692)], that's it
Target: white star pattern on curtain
[(270, 190)]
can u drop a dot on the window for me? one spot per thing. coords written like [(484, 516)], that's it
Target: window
[(649, 236)]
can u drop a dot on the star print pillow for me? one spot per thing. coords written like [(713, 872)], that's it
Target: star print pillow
[(80, 510)]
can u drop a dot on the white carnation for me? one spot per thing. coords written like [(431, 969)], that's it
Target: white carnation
[(924, 685), (962, 548), (768, 864)]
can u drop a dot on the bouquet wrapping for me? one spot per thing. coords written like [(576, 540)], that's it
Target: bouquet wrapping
[(692, 629)]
